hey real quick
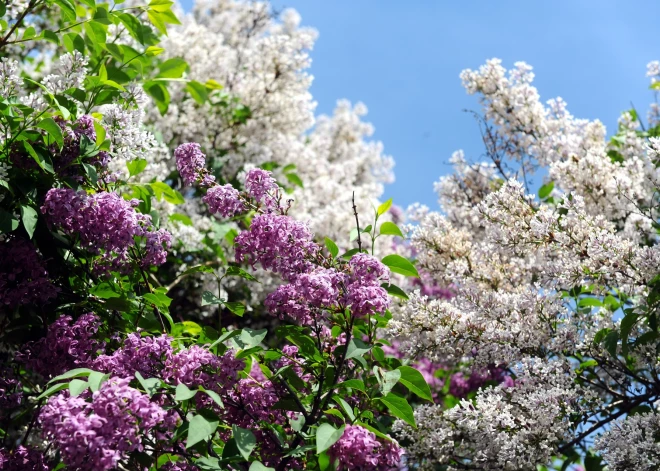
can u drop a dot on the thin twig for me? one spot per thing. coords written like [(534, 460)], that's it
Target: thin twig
[(357, 222)]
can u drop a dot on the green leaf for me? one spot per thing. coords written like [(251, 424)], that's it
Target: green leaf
[(54, 131), (332, 247), (356, 348), (154, 51), (210, 298), (546, 189), (390, 378), (590, 302), (96, 379), (150, 385), (75, 373), (136, 166), (245, 441), (346, 406), (183, 393), (627, 324), (382, 209), (400, 265), (163, 190), (257, 466), (29, 217), (201, 428), (213, 395), (326, 436), (394, 290), (172, 68), (610, 342), (198, 91), (235, 307), (77, 387), (354, 384), (295, 179), (8, 223), (233, 270), (52, 390), (251, 338), (399, 408), (415, 382), (389, 228), (68, 9)]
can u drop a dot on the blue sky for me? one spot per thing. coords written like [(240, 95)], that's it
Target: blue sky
[(402, 59)]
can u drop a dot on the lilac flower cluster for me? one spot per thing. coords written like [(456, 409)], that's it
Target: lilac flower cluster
[(196, 366), (23, 278), (96, 435), (146, 355), (261, 186), (363, 291), (224, 200), (359, 450), (84, 126), (11, 393), (22, 459), (66, 346), (106, 225), (309, 293), (191, 163), (279, 243), (461, 385)]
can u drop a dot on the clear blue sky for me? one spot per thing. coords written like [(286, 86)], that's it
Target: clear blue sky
[(402, 59)]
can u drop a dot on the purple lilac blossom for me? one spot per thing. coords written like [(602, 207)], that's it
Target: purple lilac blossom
[(146, 355), (106, 224), (461, 385), (224, 200), (23, 278), (261, 186), (359, 450), (96, 435), (279, 243), (73, 133), (191, 163), (363, 291), (156, 246), (196, 366), (67, 345), (309, 291), (22, 459), (11, 393)]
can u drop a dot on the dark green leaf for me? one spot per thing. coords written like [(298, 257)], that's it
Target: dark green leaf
[(415, 382), (394, 290), (399, 408), (54, 131)]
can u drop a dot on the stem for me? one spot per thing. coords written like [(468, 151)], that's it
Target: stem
[(5, 40), (357, 222)]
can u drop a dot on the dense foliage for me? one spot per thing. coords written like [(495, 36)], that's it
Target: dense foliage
[(197, 273)]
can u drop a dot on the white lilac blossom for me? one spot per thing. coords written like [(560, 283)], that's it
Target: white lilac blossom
[(537, 283)]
